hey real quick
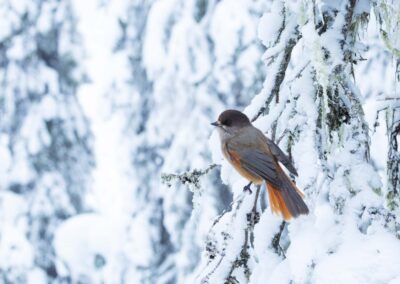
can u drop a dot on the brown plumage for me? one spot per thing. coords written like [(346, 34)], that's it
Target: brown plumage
[(257, 159)]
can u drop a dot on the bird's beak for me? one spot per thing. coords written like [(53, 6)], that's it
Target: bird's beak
[(216, 123)]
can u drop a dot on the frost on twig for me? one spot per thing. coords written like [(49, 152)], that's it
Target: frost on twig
[(189, 177), (192, 179)]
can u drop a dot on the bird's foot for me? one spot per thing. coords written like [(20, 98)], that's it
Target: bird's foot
[(247, 188)]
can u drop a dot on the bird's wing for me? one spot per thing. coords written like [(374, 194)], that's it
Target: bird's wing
[(257, 162), (280, 156)]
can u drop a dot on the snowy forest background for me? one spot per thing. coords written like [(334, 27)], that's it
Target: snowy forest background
[(110, 171)]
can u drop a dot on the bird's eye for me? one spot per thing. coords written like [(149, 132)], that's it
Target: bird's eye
[(226, 122)]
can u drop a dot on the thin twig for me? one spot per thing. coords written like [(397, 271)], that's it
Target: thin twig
[(190, 177)]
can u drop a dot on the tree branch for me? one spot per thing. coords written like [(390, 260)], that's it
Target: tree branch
[(282, 61), (253, 217), (189, 177)]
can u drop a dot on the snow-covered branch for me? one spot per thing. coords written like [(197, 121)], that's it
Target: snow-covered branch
[(278, 55), (190, 177), (229, 252)]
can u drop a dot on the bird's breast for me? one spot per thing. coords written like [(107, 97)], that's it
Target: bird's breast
[(233, 158)]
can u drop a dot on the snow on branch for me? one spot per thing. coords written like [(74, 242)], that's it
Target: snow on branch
[(230, 243), (190, 177), (388, 14), (278, 57), (393, 164), (311, 100)]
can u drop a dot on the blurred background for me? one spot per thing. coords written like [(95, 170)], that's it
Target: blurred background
[(97, 99)]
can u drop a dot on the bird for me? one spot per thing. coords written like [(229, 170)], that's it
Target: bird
[(257, 158)]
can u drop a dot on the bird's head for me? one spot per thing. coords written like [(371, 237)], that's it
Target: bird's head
[(231, 121)]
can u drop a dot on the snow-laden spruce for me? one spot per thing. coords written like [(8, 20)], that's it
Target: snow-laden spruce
[(314, 109), (329, 100), (45, 142), (188, 61)]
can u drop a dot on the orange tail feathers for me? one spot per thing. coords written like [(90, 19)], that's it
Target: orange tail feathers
[(286, 200), (277, 202)]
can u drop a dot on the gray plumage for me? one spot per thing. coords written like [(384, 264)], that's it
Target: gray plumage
[(256, 157)]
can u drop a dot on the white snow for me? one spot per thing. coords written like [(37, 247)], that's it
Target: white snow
[(140, 231), (90, 245), (155, 47)]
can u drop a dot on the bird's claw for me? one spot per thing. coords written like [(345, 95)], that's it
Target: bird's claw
[(247, 188)]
